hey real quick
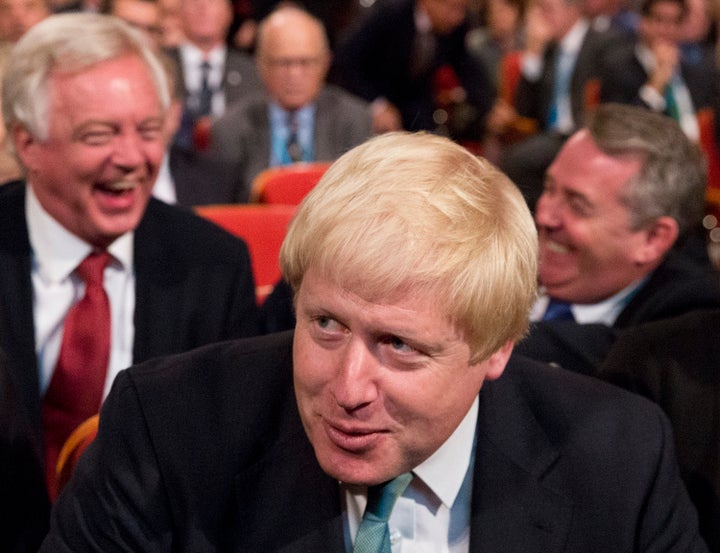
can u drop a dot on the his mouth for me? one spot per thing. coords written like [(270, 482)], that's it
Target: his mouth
[(555, 247), (117, 187), (351, 439)]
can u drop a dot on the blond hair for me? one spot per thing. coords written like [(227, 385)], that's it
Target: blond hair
[(417, 211)]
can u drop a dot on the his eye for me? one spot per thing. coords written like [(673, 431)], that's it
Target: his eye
[(327, 324), (398, 344), (151, 132), (97, 138)]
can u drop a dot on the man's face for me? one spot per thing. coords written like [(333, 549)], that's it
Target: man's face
[(662, 24), (380, 386), (293, 61), (445, 15), (17, 16), (205, 22), (142, 15), (588, 251), (95, 171)]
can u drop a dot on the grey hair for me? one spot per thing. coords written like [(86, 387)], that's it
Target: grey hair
[(673, 176), (68, 42)]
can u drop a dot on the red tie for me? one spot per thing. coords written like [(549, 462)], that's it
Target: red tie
[(76, 387)]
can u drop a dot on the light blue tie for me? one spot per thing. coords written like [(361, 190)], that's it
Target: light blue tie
[(564, 65), (373, 536)]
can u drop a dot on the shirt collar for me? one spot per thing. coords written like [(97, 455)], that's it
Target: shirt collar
[(278, 115), (444, 471), (193, 55), (606, 311), (572, 41), (57, 251)]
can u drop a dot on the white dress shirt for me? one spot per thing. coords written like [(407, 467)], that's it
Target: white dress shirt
[(532, 67), (56, 288), (433, 514), (604, 312), (191, 58)]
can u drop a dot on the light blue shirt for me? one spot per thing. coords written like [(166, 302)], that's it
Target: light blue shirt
[(279, 133)]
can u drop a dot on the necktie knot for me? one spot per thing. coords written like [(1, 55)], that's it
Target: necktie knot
[(92, 268), (558, 311), (294, 148)]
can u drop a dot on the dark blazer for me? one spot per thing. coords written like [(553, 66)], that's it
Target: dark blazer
[(202, 178), (194, 286), (533, 99), (677, 286), (242, 135), (676, 363), (622, 76), (375, 61), (206, 452)]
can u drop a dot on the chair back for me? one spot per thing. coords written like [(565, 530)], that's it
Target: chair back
[(73, 448), (263, 229), (287, 184)]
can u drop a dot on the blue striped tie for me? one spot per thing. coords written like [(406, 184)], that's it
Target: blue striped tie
[(373, 536)]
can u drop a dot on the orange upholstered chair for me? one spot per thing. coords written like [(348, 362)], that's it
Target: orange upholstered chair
[(287, 184), (73, 448), (709, 145), (263, 228)]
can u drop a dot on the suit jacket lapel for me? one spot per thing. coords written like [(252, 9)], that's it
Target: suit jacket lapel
[(156, 296), (296, 496), (516, 505)]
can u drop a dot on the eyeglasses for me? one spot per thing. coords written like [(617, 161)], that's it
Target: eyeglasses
[(286, 64)]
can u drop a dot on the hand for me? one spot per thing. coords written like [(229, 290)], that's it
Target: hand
[(500, 117), (667, 57)]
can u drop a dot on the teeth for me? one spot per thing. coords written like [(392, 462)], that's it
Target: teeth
[(556, 248), (119, 186)]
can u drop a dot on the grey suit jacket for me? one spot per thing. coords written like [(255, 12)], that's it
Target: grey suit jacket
[(206, 452), (242, 135)]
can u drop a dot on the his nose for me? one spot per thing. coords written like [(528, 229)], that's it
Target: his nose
[(129, 151), (355, 385), (548, 211)]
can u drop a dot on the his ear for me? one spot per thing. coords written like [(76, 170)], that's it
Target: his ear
[(23, 141), (659, 237), (495, 364)]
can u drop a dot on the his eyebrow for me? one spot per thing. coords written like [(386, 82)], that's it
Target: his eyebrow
[(578, 198)]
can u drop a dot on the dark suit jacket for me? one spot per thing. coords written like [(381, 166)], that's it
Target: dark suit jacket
[(193, 286), (206, 452), (622, 76), (375, 62), (676, 363), (202, 178), (679, 285), (240, 79), (242, 135), (533, 99)]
